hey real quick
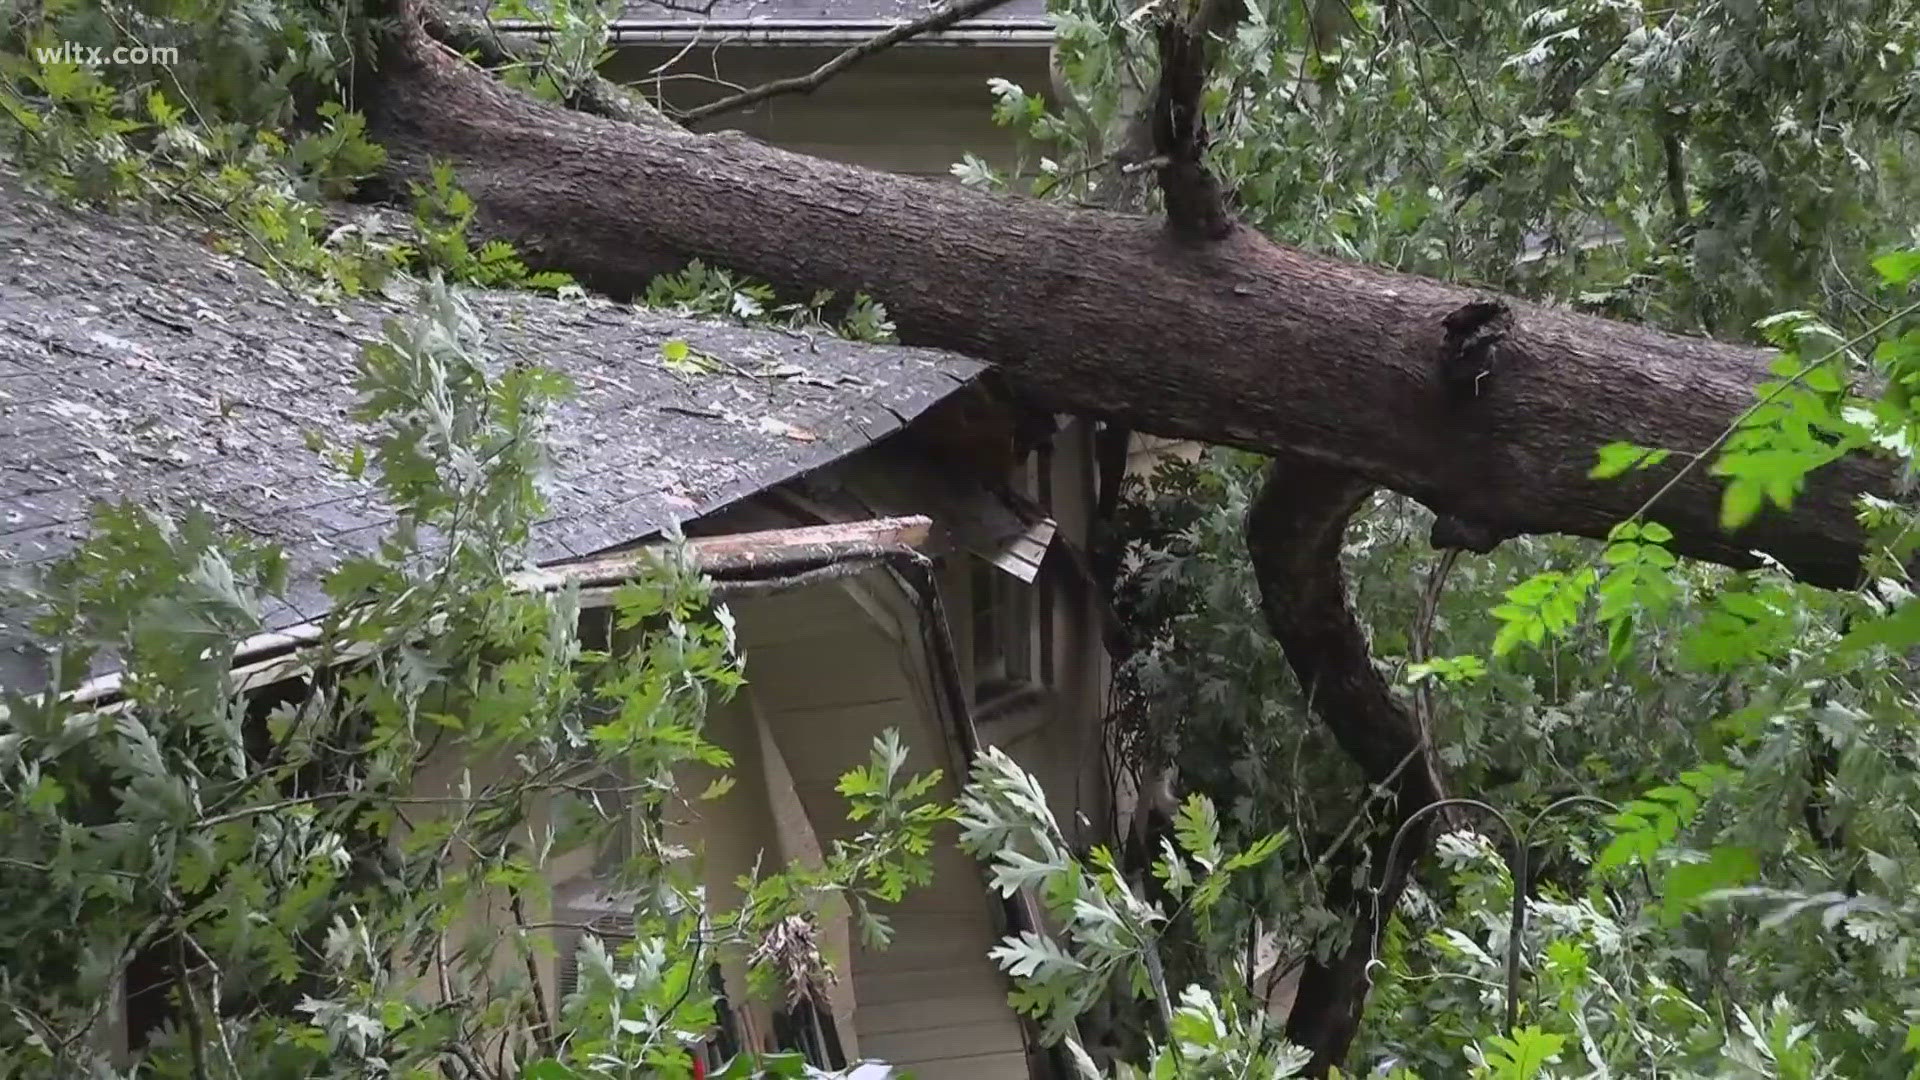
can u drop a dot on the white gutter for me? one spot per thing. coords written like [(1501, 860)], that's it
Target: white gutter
[(797, 32), (734, 559)]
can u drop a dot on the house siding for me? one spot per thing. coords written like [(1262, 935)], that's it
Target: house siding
[(830, 666), (933, 1001), (1059, 739), (910, 109)]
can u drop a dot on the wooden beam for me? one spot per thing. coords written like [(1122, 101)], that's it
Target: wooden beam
[(742, 553)]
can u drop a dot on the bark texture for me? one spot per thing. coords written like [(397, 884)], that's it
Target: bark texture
[(1239, 341), (1488, 410), (1294, 534), (476, 38)]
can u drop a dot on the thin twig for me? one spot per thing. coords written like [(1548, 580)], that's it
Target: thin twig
[(220, 1029), (1453, 56), (940, 19), (1421, 649), (692, 43), (546, 1027), (190, 1009)]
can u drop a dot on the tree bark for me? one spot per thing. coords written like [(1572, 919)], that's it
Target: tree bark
[(1487, 410), (476, 38), (1239, 341), (1294, 533)]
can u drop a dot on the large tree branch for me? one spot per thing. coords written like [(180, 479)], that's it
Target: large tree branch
[(1294, 533), (595, 95), (1242, 341), (1488, 411), (934, 21), (1196, 206)]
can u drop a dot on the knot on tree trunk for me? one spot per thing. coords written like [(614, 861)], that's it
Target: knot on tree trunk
[(1474, 332), (1295, 530)]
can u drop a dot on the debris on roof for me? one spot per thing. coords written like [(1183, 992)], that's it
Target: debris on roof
[(137, 363)]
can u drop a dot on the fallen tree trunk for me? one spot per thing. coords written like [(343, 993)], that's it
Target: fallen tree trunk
[(1354, 378), (1239, 341)]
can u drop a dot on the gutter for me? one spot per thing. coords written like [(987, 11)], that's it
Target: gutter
[(740, 563), (796, 33)]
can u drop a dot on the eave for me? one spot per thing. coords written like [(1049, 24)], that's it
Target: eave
[(772, 560), (799, 33)]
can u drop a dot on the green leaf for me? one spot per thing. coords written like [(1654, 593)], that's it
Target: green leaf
[(1620, 639), (1686, 883), (1897, 630), (1898, 268), (1525, 1054), (1033, 956), (1618, 458), (1546, 603), (1450, 669), (1260, 852), (1172, 870), (1197, 828), (1740, 502)]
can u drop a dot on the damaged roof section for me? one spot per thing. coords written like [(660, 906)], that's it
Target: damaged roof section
[(135, 363)]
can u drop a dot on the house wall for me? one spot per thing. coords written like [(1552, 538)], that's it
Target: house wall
[(1060, 737), (910, 109), (759, 825), (828, 668), (487, 927), (1057, 734)]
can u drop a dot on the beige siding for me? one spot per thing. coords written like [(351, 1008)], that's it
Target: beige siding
[(938, 1004), (759, 823), (1059, 738), (1146, 452), (911, 109), (828, 668)]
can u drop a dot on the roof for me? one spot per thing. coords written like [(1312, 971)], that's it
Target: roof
[(136, 363)]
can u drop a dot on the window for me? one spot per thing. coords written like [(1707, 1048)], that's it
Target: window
[(1003, 647), (808, 1028)]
